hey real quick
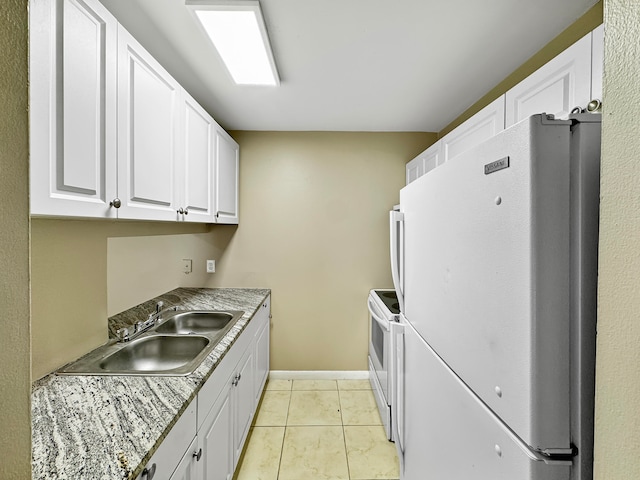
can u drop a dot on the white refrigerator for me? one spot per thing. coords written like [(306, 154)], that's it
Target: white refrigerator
[(494, 255)]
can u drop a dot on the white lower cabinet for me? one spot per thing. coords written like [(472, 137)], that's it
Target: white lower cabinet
[(215, 438), (174, 449), (187, 469), (261, 356), (207, 440), (244, 402)]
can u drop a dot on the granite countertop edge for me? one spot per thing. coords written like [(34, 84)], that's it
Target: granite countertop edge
[(108, 427)]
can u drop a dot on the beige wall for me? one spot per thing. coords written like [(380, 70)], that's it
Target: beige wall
[(69, 281), (140, 268), (15, 381), (617, 442), (314, 229), (313, 226)]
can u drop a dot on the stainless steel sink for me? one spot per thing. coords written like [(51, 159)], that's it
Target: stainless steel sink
[(197, 321), (176, 346), (156, 353)]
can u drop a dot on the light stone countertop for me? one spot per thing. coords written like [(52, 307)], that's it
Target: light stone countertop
[(81, 424)]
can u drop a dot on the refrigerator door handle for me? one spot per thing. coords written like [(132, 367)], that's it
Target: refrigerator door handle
[(396, 226), (397, 387), (375, 315)]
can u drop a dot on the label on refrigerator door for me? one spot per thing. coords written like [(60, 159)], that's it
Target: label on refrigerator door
[(497, 165)]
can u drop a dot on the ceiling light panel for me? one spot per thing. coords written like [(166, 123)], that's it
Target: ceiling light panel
[(237, 30)]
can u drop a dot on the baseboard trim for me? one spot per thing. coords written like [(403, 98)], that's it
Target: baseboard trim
[(319, 375)]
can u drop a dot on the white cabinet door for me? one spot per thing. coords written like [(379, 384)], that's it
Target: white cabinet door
[(73, 49), (215, 438), (483, 125), (187, 469), (177, 444), (148, 128), (597, 59), (414, 169), (227, 170), (195, 173), (262, 349), (556, 88), (244, 402), (425, 162)]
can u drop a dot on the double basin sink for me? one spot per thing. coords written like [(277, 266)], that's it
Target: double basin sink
[(176, 345)]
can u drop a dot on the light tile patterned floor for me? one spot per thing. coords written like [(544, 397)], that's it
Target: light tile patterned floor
[(318, 430)]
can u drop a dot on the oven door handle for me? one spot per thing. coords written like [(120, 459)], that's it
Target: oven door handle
[(373, 311)]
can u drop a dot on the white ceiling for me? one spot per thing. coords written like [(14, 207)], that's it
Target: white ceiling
[(356, 65)]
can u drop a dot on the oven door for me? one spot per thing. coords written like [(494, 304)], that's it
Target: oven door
[(379, 362), (379, 345)]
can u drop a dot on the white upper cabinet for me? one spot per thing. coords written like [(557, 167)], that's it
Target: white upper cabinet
[(113, 135), (556, 88), (597, 59), (148, 129), (483, 125), (196, 173), (425, 162), (73, 108), (414, 170), (227, 171), (570, 80)]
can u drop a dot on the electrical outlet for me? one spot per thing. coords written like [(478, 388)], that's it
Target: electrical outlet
[(186, 265), (211, 266)]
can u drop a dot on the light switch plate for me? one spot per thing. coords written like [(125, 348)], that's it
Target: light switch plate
[(186, 265), (211, 266)]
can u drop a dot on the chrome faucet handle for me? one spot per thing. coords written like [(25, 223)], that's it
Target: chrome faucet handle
[(123, 334), (159, 306)]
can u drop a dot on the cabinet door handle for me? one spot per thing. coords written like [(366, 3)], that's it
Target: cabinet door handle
[(149, 473), (116, 203), (236, 380), (186, 211), (180, 211), (198, 455), (594, 105)]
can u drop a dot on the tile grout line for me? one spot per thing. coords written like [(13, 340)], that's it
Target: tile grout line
[(284, 435), (344, 435)]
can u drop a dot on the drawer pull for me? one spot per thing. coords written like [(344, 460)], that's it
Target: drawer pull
[(149, 473), (198, 455)]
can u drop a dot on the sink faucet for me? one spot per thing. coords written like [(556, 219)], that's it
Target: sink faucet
[(124, 334), (156, 316)]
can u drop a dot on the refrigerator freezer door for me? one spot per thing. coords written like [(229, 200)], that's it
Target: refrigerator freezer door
[(451, 435), (486, 248)]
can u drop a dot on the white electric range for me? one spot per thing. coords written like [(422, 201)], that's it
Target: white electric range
[(383, 310)]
